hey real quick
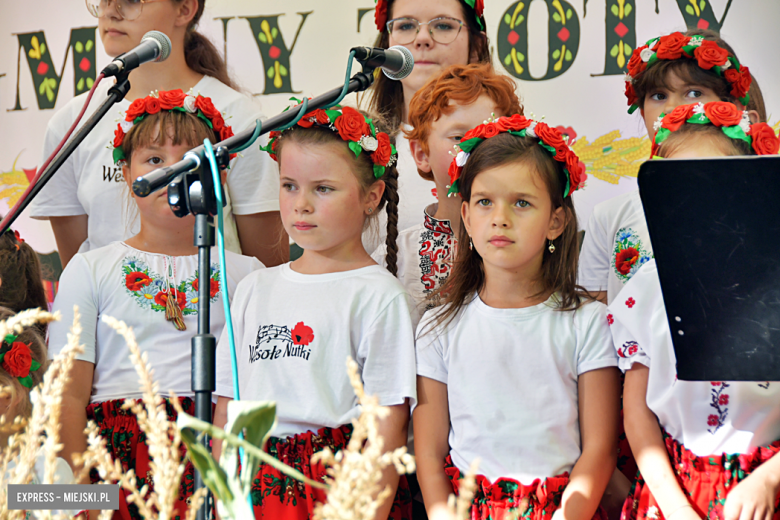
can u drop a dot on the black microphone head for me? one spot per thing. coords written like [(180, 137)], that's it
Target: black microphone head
[(163, 41), (408, 63)]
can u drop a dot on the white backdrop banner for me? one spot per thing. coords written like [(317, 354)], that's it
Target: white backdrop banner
[(568, 58)]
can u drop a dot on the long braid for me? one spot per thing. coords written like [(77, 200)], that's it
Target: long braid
[(391, 197)]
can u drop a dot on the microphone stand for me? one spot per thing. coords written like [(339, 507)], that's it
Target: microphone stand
[(116, 94), (191, 190)]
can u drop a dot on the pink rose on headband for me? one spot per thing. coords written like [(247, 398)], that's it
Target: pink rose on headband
[(708, 54), (171, 98)]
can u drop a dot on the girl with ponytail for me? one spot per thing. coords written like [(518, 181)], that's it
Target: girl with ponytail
[(82, 200)]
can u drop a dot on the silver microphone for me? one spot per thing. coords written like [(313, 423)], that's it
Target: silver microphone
[(396, 62), (154, 46)]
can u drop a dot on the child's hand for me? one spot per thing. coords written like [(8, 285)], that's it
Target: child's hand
[(751, 499)]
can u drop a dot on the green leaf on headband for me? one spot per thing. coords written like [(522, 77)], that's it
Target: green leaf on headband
[(9, 338), (455, 188), (698, 119), (393, 151), (179, 109), (206, 119), (468, 146), (118, 154), (2, 356), (745, 100), (34, 365), (734, 63), (138, 119), (521, 133), (333, 115), (661, 135), (632, 109), (355, 148), (736, 132), (373, 128), (718, 70), (26, 381), (688, 49), (378, 171), (566, 191), (547, 147)]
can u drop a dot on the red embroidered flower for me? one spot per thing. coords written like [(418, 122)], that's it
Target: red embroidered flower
[(677, 117), (380, 15), (119, 136), (152, 105), (610, 319), (708, 54), (740, 81), (302, 335), (552, 137), (671, 47), (514, 123), (351, 125), (137, 108), (632, 350), (135, 280), (630, 302), (17, 361), (206, 106), (712, 420), (171, 98), (626, 259), (765, 142), (383, 151), (715, 383), (723, 399), (161, 298), (213, 287), (722, 113)]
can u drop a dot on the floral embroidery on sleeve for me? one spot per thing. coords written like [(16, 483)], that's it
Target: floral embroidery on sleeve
[(149, 289), (629, 348), (629, 254), (719, 400)]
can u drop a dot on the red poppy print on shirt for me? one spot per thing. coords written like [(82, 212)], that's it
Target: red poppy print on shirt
[(302, 335), (161, 298), (610, 319), (213, 289), (136, 280), (630, 303)]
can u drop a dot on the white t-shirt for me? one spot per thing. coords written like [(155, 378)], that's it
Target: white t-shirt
[(511, 377), (709, 418), (425, 255), (89, 182), (414, 195), (616, 245), (130, 285), (293, 335)]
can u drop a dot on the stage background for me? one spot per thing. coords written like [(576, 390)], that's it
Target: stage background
[(568, 60)]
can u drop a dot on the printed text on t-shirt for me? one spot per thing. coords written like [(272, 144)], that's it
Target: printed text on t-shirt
[(278, 341), (112, 174)]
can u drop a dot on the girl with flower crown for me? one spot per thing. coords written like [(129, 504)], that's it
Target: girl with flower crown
[(85, 201), (704, 449), (296, 324), (517, 368), (150, 281), (438, 33)]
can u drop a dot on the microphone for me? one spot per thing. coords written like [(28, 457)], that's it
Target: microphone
[(396, 62), (154, 46)]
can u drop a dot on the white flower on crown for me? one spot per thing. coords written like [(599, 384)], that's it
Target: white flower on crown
[(726, 65), (368, 143), (696, 41), (126, 125), (189, 104), (646, 54), (628, 78), (744, 124), (699, 108), (530, 130), (155, 93), (461, 158), (657, 123)]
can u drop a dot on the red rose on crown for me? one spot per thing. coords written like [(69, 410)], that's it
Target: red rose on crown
[(576, 169), (161, 298), (722, 113), (454, 172), (479, 7), (765, 142), (119, 136), (631, 94), (671, 47), (478, 131), (171, 98), (351, 125), (515, 123), (635, 65), (674, 120), (301, 334), (319, 115), (383, 151), (708, 55), (18, 360), (205, 105), (552, 137), (491, 130), (151, 105), (136, 280), (380, 15), (137, 108), (217, 123), (740, 81)]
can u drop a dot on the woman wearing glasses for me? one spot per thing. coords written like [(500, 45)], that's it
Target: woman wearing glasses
[(84, 201), (439, 33)]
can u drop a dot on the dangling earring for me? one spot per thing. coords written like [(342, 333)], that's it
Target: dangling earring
[(551, 247), (471, 244)]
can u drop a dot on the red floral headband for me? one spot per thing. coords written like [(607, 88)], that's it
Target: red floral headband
[(550, 139), (735, 124), (172, 100), (354, 128), (675, 46), (380, 14), (16, 359)]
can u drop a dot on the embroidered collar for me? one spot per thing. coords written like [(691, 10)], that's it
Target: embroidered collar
[(436, 225)]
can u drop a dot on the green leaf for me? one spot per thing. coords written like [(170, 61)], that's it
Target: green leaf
[(556, 54), (736, 132), (270, 72), (79, 47), (355, 148), (627, 50), (80, 84), (652, 59), (468, 146), (568, 56), (34, 365), (508, 60), (118, 155), (50, 94), (282, 70), (274, 32), (615, 10), (373, 128), (26, 381), (521, 133), (333, 115), (255, 420), (627, 9), (547, 147), (614, 51), (454, 188), (689, 10), (43, 49), (661, 135), (520, 56), (378, 171), (520, 18), (702, 5), (42, 88), (507, 19), (568, 14), (557, 17), (262, 38), (89, 45), (9, 338)]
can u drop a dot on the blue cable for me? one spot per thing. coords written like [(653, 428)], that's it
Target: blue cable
[(346, 82)]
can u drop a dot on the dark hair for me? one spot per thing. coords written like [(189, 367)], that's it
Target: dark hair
[(32, 337), (21, 282), (363, 170), (179, 127), (201, 55), (463, 85), (688, 70), (559, 269), (386, 96), (688, 133)]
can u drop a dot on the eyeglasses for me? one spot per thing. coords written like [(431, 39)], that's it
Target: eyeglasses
[(127, 9), (442, 30)]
